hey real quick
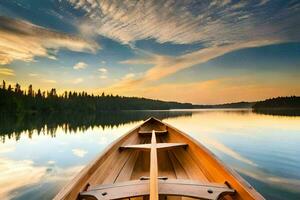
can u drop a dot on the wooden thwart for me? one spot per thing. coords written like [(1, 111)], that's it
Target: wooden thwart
[(150, 132), (175, 187), (159, 146)]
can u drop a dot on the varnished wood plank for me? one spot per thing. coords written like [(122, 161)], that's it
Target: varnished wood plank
[(158, 132), (142, 166), (127, 170), (190, 166), (178, 169), (153, 169), (159, 146), (175, 187)]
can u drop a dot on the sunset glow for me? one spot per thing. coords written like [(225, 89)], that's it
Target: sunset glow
[(204, 52)]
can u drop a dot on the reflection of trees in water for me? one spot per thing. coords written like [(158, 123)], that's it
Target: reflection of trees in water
[(13, 126), (280, 112)]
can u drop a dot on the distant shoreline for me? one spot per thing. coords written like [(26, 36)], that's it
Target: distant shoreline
[(289, 106), (16, 101)]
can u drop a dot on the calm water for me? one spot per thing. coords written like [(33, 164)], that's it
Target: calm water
[(36, 160)]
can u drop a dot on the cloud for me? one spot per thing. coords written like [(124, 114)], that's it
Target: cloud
[(49, 81), (79, 152), (33, 74), (220, 26), (80, 65), (7, 71), (103, 77), (22, 40), (128, 76), (263, 2), (184, 22), (102, 70), (163, 66), (77, 81)]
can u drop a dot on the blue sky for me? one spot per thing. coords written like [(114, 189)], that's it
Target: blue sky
[(189, 51)]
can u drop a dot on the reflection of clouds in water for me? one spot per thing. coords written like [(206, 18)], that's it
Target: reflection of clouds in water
[(59, 174), (287, 183), (224, 149), (16, 174), (103, 140), (7, 149), (79, 152), (51, 162)]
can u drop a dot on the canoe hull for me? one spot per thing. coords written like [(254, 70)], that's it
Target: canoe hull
[(193, 163)]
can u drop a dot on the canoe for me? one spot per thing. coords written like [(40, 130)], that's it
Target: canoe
[(157, 161)]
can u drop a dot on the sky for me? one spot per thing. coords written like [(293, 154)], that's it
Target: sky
[(204, 52)]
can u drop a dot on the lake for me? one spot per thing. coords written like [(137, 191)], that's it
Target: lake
[(39, 155)]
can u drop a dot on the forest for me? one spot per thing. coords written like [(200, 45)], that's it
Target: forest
[(15, 100), (292, 102), (286, 106)]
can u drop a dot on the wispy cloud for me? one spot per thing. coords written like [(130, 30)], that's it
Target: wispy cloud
[(33, 74), (49, 81), (163, 66), (7, 71), (183, 22), (22, 40), (80, 65), (221, 26), (128, 76), (102, 70), (103, 77), (77, 80)]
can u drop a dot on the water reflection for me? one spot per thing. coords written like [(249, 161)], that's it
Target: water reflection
[(280, 112), (40, 154), (13, 126)]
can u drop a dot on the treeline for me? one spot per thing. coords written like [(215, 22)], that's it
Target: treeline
[(241, 104), (286, 106), (15, 100), (292, 102)]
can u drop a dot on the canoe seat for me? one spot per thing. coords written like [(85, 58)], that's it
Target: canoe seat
[(159, 146), (148, 133), (172, 187)]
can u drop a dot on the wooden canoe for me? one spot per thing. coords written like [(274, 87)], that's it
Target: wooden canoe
[(157, 161)]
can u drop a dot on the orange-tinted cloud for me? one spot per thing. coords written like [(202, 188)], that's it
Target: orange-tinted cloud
[(21, 40)]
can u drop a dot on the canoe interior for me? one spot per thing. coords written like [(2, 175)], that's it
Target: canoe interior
[(194, 162)]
